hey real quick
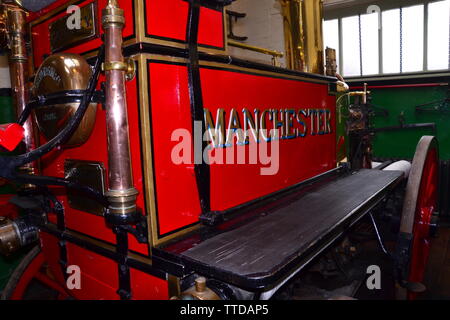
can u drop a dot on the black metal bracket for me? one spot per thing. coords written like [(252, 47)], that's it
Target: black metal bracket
[(124, 290), (379, 111), (402, 257), (62, 97), (139, 230), (212, 218), (58, 209), (202, 170), (439, 106), (36, 204), (233, 15), (56, 181), (121, 220), (430, 125), (216, 4), (219, 2)]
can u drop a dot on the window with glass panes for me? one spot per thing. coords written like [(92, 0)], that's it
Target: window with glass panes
[(406, 39)]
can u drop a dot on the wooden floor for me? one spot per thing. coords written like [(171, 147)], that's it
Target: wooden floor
[(437, 278)]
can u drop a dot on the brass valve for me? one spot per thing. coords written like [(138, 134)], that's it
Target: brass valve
[(200, 284), (359, 93), (199, 291), (363, 94), (15, 234), (9, 237)]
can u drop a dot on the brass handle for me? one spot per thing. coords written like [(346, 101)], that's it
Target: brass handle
[(241, 45)]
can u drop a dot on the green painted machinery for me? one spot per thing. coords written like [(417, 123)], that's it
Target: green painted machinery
[(406, 106)]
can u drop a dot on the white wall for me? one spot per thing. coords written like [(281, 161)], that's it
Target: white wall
[(263, 26)]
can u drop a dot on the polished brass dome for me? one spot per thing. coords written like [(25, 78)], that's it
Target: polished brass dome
[(61, 73)]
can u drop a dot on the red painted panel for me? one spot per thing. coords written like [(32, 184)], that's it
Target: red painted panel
[(50, 248), (100, 278), (41, 36), (7, 209), (164, 19), (93, 265), (147, 287), (299, 158), (99, 275), (231, 184), (92, 289), (168, 19), (211, 28), (176, 190)]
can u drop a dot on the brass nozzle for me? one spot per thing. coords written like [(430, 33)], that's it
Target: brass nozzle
[(113, 15), (200, 284), (16, 24), (122, 202), (199, 291), (9, 237)]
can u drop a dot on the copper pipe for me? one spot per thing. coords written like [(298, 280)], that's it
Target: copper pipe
[(18, 64), (121, 192)]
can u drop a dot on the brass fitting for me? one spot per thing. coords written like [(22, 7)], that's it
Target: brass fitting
[(122, 202), (198, 292), (9, 237), (16, 18), (128, 66), (15, 234), (342, 87), (363, 94), (112, 15), (29, 170), (359, 93)]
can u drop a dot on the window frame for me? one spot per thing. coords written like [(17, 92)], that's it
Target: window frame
[(340, 14)]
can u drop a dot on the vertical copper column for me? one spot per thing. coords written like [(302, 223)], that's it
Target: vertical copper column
[(18, 64), (303, 35), (121, 193)]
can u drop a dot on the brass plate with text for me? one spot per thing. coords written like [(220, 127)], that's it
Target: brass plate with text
[(67, 31)]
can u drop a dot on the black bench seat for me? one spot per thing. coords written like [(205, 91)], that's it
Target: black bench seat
[(256, 255)]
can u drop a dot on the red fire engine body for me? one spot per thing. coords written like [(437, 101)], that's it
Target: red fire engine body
[(182, 77)]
